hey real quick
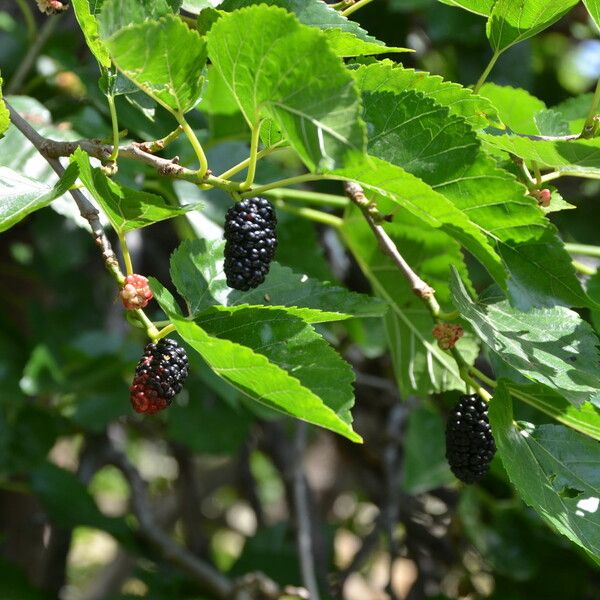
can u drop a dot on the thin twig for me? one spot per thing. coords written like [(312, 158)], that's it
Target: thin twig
[(418, 286), (302, 514), (86, 208)]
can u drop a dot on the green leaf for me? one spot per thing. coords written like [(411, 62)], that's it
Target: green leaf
[(516, 107), (424, 471), (551, 122), (555, 471), (292, 345), (197, 272), (115, 15), (479, 7), (22, 195), (385, 180), (254, 374), (89, 25), (412, 131), (346, 37), (585, 418), (593, 7), (285, 71), (165, 58), (4, 114), (554, 346), (511, 22), (126, 208), (580, 158), (420, 366), (386, 76), (345, 44)]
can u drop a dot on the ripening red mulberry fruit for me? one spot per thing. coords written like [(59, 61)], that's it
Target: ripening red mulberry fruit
[(136, 292), (250, 242), (470, 445), (159, 376)]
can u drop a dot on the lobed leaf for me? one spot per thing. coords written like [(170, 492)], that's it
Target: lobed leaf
[(511, 22), (89, 26), (165, 58), (279, 69)]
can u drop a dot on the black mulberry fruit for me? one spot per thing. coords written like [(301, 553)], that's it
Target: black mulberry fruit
[(470, 446), (250, 242), (159, 376)]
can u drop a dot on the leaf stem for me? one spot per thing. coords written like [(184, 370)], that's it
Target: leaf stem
[(448, 316), (483, 377), (354, 7), (582, 268), (550, 176), (589, 125), (583, 250), (224, 184), (242, 165), (486, 72), (115, 127), (318, 216), (151, 330), (157, 145), (254, 140), (307, 196), (165, 331), (125, 252), (284, 183), (196, 145)]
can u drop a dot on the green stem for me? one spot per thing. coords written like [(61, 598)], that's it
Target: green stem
[(224, 184), (115, 127), (318, 216), (486, 72), (165, 331), (550, 176), (191, 136), (536, 172), (583, 250), (157, 145), (588, 127), (242, 165), (307, 196), (527, 178), (483, 377), (284, 183), (125, 252), (583, 269), (151, 330), (254, 140), (29, 19), (448, 316), (354, 7), (464, 369)]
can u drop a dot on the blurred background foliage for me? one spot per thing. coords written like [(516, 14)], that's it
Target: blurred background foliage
[(391, 522)]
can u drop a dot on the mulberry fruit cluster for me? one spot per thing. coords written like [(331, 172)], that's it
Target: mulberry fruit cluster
[(159, 376), (470, 446), (250, 242), (136, 292)]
